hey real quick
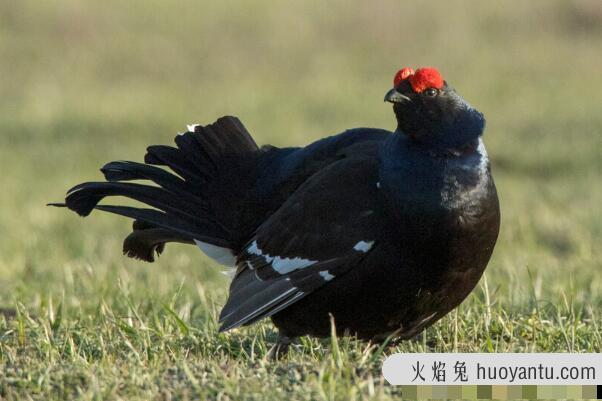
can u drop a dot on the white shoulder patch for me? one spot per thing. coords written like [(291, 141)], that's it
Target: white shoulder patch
[(287, 265), (280, 264), (325, 274), (221, 255), (363, 246), (254, 249)]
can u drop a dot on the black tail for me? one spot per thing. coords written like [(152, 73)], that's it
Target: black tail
[(182, 205)]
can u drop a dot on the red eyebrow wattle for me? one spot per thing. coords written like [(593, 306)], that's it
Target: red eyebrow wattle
[(402, 74), (424, 78)]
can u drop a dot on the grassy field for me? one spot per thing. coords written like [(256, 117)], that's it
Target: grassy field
[(83, 83)]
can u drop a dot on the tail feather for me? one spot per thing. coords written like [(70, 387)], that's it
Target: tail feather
[(144, 243), (84, 197), (161, 155), (129, 171), (171, 223), (183, 206), (197, 153), (206, 146)]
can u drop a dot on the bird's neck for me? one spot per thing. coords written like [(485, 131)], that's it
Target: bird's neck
[(417, 179), (456, 133)]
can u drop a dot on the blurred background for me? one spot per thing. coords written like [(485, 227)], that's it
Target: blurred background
[(83, 83)]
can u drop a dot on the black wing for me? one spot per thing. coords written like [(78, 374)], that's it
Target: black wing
[(325, 228)]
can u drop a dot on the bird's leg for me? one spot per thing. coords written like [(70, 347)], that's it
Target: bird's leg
[(280, 348), (390, 339)]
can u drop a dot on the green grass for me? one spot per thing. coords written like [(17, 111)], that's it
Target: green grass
[(83, 84)]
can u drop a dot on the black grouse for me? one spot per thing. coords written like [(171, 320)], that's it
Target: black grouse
[(385, 231)]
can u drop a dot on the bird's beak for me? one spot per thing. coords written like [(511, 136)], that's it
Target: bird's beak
[(395, 97)]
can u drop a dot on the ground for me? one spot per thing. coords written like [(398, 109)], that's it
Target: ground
[(84, 83)]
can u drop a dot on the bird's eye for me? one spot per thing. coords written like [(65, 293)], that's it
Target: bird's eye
[(431, 92)]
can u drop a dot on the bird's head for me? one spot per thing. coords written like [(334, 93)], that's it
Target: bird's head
[(430, 111)]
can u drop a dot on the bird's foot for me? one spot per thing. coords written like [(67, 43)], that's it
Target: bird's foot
[(279, 349)]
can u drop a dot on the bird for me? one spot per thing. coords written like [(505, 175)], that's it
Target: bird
[(381, 232)]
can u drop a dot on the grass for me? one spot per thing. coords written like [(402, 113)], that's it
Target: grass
[(87, 83)]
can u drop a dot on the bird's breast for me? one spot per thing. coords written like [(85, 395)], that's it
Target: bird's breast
[(443, 210)]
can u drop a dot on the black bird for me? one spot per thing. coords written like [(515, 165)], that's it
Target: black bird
[(385, 231)]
